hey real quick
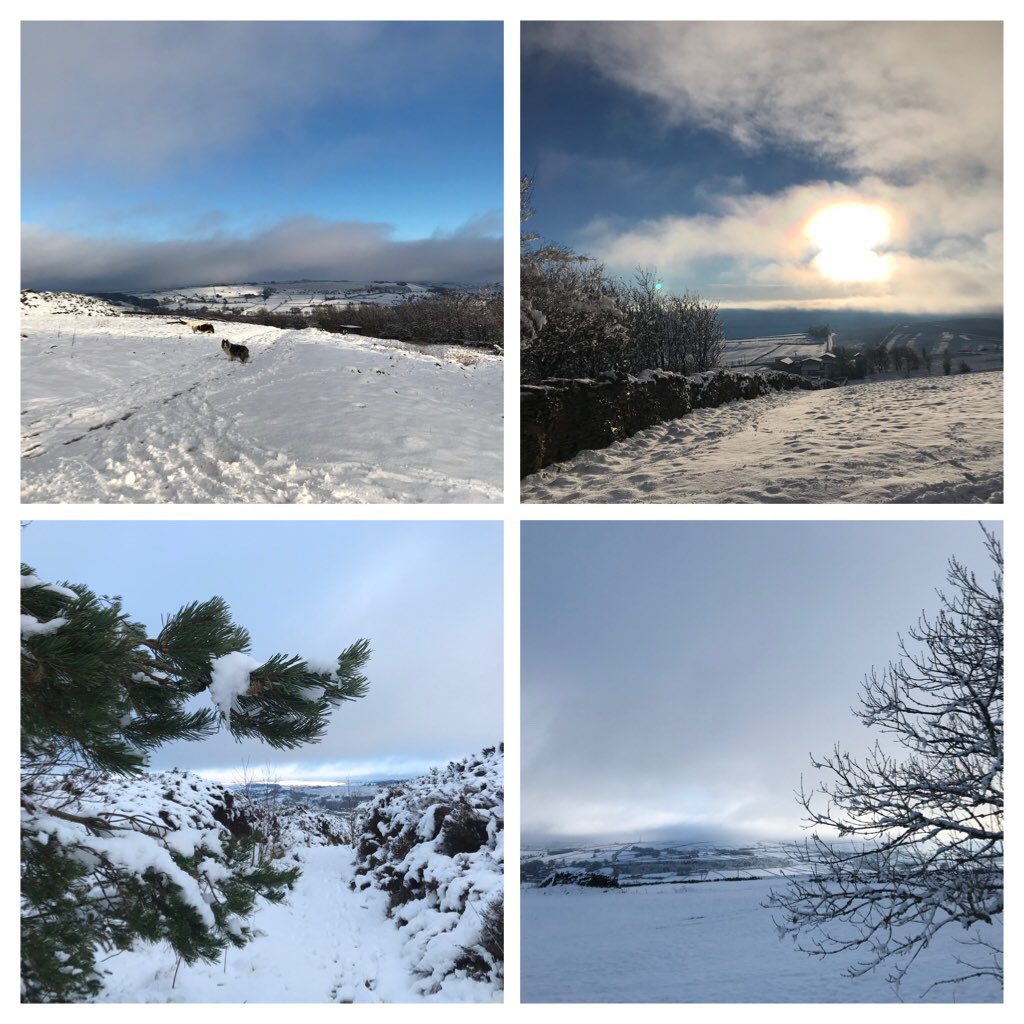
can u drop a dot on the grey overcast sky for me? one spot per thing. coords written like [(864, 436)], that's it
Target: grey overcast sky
[(676, 675), (428, 595)]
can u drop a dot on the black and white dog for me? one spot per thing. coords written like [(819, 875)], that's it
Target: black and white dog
[(239, 352)]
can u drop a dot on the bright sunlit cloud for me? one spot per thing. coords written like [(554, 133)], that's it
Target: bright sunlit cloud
[(941, 246), (847, 237)]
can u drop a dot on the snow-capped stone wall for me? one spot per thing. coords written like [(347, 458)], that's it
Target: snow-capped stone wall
[(562, 417)]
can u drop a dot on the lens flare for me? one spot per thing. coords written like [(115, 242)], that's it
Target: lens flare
[(847, 236)]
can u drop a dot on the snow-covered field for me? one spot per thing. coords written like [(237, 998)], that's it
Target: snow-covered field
[(288, 296), (712, 943), (764, 351), (926, 439), (121, 408)]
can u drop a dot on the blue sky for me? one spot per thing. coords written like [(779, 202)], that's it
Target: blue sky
[(706, 149), (601, 151), (159, 132), (676, 675), (428, 595)]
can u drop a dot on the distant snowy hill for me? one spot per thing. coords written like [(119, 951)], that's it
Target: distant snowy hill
[(288, 296), (681, 862), (137, 408), (765, 351), (71, 304)]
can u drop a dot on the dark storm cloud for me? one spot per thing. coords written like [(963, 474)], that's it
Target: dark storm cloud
[(305, 247)]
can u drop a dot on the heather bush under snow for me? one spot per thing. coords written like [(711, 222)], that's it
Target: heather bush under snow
[(435, 845)]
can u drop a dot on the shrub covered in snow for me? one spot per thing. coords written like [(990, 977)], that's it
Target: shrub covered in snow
[(436, 846), (284, 828), (575, 321)]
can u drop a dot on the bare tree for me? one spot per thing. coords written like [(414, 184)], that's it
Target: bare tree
[(647, 320), (351, 815), (260, 793), (926, 823), (703, 329), (570, 325)]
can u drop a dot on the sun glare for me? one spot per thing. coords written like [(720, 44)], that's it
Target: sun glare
[(847, 236)]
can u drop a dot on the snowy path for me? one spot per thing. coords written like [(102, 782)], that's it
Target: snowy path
[(931, 439), (327, 943), (709, 943), (129, 409)]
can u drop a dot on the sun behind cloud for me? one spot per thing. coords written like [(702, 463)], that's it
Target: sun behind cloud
[(847, 236)]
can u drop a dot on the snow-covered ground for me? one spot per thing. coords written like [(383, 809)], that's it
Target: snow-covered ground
[(926, 439), (325, 943), (121, 408), (707, 943)]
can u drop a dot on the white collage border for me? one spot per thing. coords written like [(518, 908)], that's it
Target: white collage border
[(511, 513)]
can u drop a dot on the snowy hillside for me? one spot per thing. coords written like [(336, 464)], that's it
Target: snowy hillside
[(120, 408), (662, 861), (764, 351), (68, 303), (924, 439)]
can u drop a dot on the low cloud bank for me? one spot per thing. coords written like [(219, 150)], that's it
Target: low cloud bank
[(306, 247)]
